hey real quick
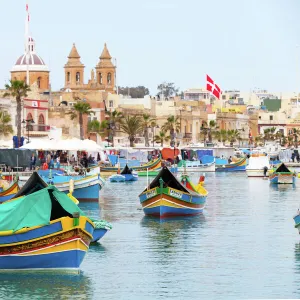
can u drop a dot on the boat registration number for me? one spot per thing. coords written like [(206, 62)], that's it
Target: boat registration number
[(151, 194), (175, 194)]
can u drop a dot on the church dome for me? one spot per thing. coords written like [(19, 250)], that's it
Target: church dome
[(35, 62)]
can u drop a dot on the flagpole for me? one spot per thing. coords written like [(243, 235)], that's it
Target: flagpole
[(27, 43)]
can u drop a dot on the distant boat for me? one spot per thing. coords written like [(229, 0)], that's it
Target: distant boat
[(168, 197), (150, 165), (258, 166), (155, 172), (239, 165), (282, 175), (8, 191), (127, 174), (196, 166)]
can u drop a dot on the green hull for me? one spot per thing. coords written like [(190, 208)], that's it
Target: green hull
[(150, 173)]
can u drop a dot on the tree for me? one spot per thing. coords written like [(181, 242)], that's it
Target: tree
[(147, 121), (99, 128), (172, 125), (114, 119), (223, 135), (134, 92), (204, 131), (17, 89), (233, 135), (5, 126), (168, 89), (212, 126), (295, 134), (81, 109), (132, 126), (161, 137)]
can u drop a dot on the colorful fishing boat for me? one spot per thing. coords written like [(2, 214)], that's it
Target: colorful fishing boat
[(150, 166), (127, 174), (282, 175), (36, 183), (8, 191), (239, 165), (153, 173), (168, 197), (44, 230), (86, 188)]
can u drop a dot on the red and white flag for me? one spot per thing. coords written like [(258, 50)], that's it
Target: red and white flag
[(213, 87)]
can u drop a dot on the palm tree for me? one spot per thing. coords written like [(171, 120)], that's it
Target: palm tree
[(147, 121), (295, 134), (223, 135), (114, 119), (17, 89), (204, 131), (99, 128), (233, 136), (5, 126), (81, 108), (290, 140), (132, 126), (172, 125), (161, 137), (212, 127)]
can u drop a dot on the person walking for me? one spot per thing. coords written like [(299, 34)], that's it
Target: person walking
[(32, 161)]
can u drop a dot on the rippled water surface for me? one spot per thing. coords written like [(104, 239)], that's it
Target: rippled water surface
[(243, 246)]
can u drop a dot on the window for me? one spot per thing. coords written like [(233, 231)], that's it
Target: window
[(223, 97), (89, 119), (271, 118), (68, 77), (39, 82), (259, 117), (41, 122), (100, 78), (95, 118), (77, 77), (111, 103), (109, 78)]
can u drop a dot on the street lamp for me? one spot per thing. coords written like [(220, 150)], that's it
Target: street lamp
[(28, 125), (153, 132)]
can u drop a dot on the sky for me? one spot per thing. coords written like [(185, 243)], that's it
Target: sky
[(241, 44)]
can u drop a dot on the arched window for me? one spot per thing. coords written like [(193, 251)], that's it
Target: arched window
[(77, 77), (41, 122), (100, 78), (109, 78), (39, 82), (68, 76)]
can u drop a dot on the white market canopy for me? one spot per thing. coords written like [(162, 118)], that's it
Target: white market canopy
[(65, 145)]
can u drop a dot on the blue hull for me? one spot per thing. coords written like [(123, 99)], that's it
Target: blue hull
[(166, 211), (90, 193), (60, 260), (5, 198), (130, 177), (275, 180), (98, 234), (234, 169)]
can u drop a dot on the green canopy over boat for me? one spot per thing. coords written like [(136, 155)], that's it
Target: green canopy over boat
[(37, 209)]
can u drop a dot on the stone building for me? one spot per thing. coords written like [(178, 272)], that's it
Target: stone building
[(38, 71), (103, 80)]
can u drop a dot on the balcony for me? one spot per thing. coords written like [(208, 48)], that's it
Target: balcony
[(187, 135)]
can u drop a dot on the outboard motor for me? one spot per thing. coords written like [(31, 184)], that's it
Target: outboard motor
[(265, 171)]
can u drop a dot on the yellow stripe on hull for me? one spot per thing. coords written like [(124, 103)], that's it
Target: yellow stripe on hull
[(165, 202), (65, 246)]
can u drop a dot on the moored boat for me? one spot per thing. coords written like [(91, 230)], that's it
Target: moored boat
[(282, 175), (196, 166), (8, 191), (43, 230), (127, 174), (150, 166), (101, 228), (258, 166), (239, 165), (167, 197), (155, 172)]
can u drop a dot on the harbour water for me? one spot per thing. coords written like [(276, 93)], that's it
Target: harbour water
[(243, 246)]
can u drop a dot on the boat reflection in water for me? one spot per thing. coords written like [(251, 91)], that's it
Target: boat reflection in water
[(32, 285)]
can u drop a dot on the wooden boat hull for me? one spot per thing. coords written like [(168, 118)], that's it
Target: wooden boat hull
[(59, 245), (152, 165), (237, 166), (171, 203), (9, 193), (198, 168), (277, 178), (98, 234), (256, 173)]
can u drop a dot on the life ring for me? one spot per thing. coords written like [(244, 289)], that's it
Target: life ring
[(45, 166)]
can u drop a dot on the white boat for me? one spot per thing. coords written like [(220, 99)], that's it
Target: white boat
[(196, 166), (256, 166)]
